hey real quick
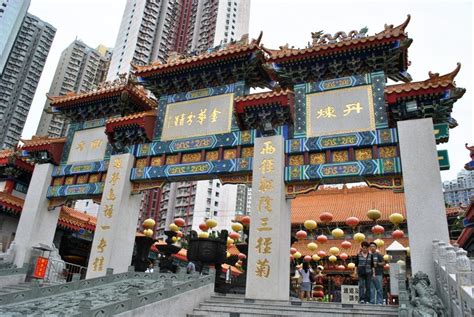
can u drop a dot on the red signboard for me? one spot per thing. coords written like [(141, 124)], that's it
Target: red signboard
[(40, 268)]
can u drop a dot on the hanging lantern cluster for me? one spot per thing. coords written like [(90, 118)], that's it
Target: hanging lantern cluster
[(148, 224), (396, 219), (205, 227), (337, 233), (175, 227)]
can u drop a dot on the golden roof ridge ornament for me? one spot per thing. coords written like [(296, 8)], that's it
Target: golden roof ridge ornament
[(449, 76), (321, 38), (388, 28)]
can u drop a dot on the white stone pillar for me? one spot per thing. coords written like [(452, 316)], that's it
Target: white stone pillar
[(37, 224), (268, 266), (116, 221), (426, 212)]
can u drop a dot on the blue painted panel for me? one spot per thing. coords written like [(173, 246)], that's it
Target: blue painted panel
[(75, 190), (78, 168), (387, 166), (231, 139), (356, 139), (192, 169), (337, 83)]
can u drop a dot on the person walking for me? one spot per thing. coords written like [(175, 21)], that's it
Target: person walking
[(305, 287), (364, 271), (376, 294)]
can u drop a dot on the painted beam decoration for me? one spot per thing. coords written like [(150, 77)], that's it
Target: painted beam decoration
[(346, 169), (242, 165), (356, 139), (75, 190), (80, 168), (443, 160), (226, 140)]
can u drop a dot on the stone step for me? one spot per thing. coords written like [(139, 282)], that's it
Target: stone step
[(238, 306), (236, 299), (201, 313), (292, 310), (18, 287)]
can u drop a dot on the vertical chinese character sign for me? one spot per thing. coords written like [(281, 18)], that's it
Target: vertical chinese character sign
[(116, 221), (268, 266)]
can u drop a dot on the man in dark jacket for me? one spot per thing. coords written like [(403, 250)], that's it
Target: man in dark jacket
[(364, 271), (376, 294)]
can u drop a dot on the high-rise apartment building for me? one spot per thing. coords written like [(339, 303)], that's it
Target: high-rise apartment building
[(151, 29), (219, 22), (461, 190), (80, 69), (12, 14), (21, 75), (145, 34), (195, 202)]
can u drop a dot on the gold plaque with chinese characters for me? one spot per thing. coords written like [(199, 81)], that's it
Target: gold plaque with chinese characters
[(198, 117), (340, 111)]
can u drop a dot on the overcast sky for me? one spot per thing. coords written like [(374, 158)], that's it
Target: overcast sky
[(441, 32)]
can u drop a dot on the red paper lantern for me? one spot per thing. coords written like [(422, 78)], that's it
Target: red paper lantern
[(293, 250), (300, 235), (307, 258), (352, 221), (343, 256), (245, 220), (346, 244), (179, 234), (318, 294), (203, 227), (326, 217), (397, 234), (386, 266), (378, 229), (341, 267), (321, 254), (322, 238), (242, 256), (234, 235), (179, 222)]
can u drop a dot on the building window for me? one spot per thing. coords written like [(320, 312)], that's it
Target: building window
[(216, 204), (217, 194)]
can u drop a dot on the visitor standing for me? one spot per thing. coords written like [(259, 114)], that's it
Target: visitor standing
[(376, 294), (305, 287), (364, 271), (150, 268), (191, 268)]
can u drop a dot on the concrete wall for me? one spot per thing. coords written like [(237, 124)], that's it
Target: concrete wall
[(176, 306)]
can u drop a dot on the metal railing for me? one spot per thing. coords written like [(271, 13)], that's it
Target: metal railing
[(59, 271)]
